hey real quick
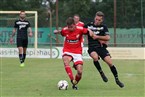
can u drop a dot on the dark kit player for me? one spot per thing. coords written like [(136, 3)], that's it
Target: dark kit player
[(22, 27), (97, 47)]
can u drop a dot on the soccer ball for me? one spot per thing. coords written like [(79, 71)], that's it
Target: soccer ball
[(62, 85)]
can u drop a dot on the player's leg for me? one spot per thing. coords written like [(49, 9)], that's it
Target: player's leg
[(24, 53), (108, 60), (20, 49), (25, 44), (66, 60), (79, 68), (78, 65), (95, 57), (78, 76)]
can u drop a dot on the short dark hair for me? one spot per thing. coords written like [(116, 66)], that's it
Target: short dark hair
[(70, 21), (100, 13), (22, 11), (76, 15)]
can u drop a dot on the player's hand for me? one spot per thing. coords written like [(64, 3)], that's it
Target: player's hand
[(56, 31), (30, 34), (103, 43), (95, 36), (11, 40)]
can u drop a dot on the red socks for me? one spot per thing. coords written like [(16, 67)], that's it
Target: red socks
[(77, 78), (69, 72)]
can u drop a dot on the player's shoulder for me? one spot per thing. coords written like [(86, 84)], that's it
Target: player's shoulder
[(90, 23), (81, 22), (104, 25), (79, 27), (65, 28), (26, 20)]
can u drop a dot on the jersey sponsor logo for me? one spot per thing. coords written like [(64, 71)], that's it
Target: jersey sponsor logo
[(96, 32), (22, 26), (22, 23), (95, 28), (92, 28), (100, 28), (72, 41)]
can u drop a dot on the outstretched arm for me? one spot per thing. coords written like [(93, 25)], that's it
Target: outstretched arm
[(91, 33), (102, 38), (13, 34), (57, 31)]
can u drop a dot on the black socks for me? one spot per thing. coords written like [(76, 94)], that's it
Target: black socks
[(114, 71), (97, 65), (22, 57)]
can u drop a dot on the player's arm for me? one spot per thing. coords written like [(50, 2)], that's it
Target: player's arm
[(13, 34), (30, 32), (103, 38), (91, 33), (57, 31)]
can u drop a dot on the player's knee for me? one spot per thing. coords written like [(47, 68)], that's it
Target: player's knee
[(96, 58), (65, 61), (108, 60), (80, 72)]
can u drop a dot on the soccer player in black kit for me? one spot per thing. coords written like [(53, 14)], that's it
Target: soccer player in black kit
[(97, 47), (22, 27)]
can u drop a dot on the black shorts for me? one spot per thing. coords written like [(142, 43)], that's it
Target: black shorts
[(101, 51), (22, 42)]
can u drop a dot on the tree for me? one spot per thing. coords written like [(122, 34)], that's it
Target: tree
[(128, 12)]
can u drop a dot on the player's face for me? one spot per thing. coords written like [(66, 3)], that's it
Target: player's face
[(22, 15), (98, 20), (76, 19), (71, 27)]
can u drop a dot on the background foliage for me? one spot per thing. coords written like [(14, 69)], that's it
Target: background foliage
[(128, 12)]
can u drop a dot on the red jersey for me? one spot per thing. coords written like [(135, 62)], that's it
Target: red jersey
[(73, 39), (80, 24)]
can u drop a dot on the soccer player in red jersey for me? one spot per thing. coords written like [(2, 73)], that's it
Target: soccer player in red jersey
[(72, 50), (77, 20), (79, 23)]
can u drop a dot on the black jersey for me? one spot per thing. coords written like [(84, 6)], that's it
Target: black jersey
[(22, 27), (100, 30)]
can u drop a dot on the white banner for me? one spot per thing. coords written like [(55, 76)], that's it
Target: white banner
[(31, 53), (116, 53)]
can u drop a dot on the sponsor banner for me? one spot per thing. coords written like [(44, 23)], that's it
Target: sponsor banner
[(123, 36), (116, 53), (31, 53)]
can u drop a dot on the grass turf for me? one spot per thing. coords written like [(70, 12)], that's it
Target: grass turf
[(40, 76)]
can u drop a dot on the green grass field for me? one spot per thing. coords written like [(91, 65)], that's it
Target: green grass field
[(40, 76)]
